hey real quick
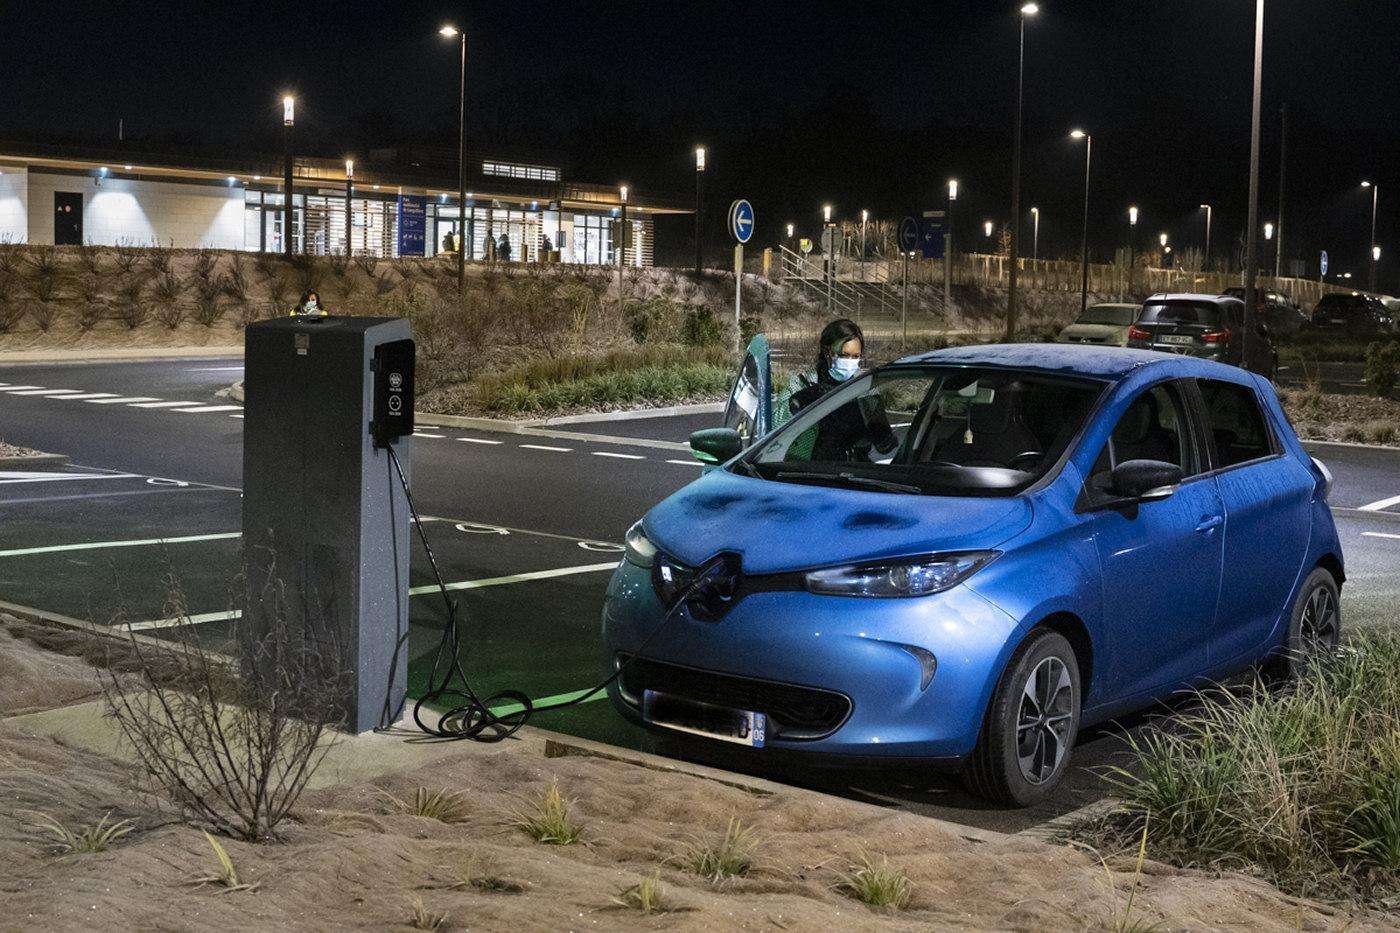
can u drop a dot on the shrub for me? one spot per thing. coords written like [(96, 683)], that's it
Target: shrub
[(650, 320), (90, 314), (44, 313), (1383, 366), (171, 314), (90, 259), (168, 288), (126, 257), (366, 263), (11, 314), (159, 259), (208, 310), (701, 329), (235, 281), (133, 312)]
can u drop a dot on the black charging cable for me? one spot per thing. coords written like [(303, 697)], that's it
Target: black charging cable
[(471, 717)]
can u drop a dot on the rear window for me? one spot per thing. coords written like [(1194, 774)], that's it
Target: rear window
[(1118, 315), (1181, 312)]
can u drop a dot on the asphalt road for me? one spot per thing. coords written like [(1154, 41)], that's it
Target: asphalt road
[(533, 522)]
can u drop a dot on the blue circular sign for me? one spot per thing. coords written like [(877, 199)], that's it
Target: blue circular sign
[(908, 234), (741, 220)]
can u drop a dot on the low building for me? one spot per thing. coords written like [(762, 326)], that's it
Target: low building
[(401, 203)]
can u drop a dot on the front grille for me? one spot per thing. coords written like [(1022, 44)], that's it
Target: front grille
[(793, 712)]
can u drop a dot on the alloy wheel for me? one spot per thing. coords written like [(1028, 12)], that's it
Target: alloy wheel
[(1317, 629), (1044, 721)]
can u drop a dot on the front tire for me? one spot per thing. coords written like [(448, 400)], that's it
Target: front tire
[(1314, 625), (1031, 724)]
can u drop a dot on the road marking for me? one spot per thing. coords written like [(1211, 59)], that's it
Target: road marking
[(45, 391), (689, 463), (513, 578), (478, 440), (606, 453), (1378, 506), (123, 399), (509, 708), (426, 434), (1380, 534), (88, 395), (226, 616), (558, 450), (99, 545), (20, 388), (207, 408), (7, 477), (157, 404), (216, 369)]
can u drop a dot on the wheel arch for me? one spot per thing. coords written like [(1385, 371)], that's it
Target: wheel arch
[(1074, 631), (1333, 565)]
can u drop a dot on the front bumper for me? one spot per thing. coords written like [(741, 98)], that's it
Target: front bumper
[(795, 647)]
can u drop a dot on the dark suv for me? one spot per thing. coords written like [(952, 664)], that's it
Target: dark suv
[(1353, 311), (1208, 326), (1276, 309)]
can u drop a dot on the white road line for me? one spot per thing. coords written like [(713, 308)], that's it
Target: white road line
[(99, 545), (558, 450), (415, 591), (208, 408), (607, 453), (125, 399), (216, 369), (88, 395), (1380, 534), (20, 388), (426, 434), (1382, 504), (7, 478), (163, 404), (689, 463), (235, 416), (478, 440), (45, 392)]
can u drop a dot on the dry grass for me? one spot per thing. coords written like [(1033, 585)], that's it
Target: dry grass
[(83, 839), (443, 805), (225, 874), (421, 917), (726, 856), (876, 884), (547, 819), (647, 896)]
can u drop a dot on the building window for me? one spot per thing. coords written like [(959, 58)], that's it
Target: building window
[(517, 170)]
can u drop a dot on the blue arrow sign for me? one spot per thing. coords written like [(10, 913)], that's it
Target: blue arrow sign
[(1324, 262), (741, 220), (908, 235)]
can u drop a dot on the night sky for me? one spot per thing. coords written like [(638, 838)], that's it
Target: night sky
[(864, 104)]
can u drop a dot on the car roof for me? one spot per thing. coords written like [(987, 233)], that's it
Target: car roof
[(1115, 304), (1074, 359), (1191, 296)]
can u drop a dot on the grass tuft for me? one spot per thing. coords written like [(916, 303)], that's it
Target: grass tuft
[(876, 884), (226, 875), (728, 856), (473, 873), (647, 896), (443, 805), (82, 839), (547, 820), (421, 917)]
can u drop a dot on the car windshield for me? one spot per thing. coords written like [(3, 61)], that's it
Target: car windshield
[(929, 430), (1118, 315), (1180, 312)]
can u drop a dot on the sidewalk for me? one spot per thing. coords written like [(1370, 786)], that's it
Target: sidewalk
[(118, 354)]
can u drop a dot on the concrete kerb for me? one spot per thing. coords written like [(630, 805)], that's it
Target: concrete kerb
[(38, 462), (117, 355)]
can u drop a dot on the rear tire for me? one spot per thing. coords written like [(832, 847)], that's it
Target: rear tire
[(1031, 724), (1314, 626)]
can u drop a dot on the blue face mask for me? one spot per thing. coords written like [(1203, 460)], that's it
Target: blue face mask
[(843, 369)]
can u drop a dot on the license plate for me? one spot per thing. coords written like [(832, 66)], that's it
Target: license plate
[(1177, 338), (738, 726)]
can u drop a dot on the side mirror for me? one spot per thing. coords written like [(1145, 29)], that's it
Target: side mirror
[(1145, 480), (715, 445)]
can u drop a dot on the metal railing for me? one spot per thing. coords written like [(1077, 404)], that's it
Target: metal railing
[(839, 293)]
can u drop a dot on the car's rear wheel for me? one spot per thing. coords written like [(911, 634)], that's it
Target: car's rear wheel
[(1031, 724), (1314, 626)]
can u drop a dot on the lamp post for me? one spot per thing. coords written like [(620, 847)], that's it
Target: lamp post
[(1084, 239), (621, 238), (1035, 234), (828, 244), (1251, 243), (1205, 256), (1132, 235), (463, 241), (1028, 9), (699, 179), (349, 211), (1375, 198), (987, 228), (289, 106), (948, 249)]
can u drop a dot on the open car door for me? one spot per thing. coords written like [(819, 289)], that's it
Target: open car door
[(750, 408)]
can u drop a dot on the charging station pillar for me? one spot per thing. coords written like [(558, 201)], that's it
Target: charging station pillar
[(322, 505)]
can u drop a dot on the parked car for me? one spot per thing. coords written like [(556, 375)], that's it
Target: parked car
[(1354, 311), (1105, 324), (1207, 326), (1061, 534), (1283, 315)]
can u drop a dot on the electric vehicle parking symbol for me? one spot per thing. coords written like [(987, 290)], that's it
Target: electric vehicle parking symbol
[(396, 380), (395, 404)]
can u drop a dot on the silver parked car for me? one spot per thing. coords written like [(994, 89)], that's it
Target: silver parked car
[(1105, 324)]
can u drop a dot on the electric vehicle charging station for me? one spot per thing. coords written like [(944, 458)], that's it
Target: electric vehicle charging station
[(325, 401)]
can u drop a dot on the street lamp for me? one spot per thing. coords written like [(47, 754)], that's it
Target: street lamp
[(1162, 239), (1035, 234), (987, 228), (699, 179), (1375, 198), (864, 219), (790, 230), (621, 238), (828, 261), (349, 211), (1132, 236), (1205, 256), (948, 247), (464, 240), (1084, 240), (1268, 231), (289, 107), (1028, 9), (826, 213)]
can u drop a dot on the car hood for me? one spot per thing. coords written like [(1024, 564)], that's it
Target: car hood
[(1113, 333), (777, 527)]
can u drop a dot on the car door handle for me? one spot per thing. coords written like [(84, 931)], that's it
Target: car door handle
[(1210, 523)]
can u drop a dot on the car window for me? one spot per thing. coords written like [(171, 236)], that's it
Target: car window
[(741, 414), (1235, 422), (1154, 427), (1180, 312), (934, 430), (1116, 315)]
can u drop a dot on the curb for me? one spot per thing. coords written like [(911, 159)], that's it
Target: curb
[(699, 408), (123, 355), (41, 462)]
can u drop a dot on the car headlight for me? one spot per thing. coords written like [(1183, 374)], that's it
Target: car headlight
[(638, 551), (905, 576)]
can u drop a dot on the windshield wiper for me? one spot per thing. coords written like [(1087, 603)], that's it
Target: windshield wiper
[(855, 480), (748, 469)]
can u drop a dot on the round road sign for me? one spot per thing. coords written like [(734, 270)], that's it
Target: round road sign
[(908, 234), (741, 220)]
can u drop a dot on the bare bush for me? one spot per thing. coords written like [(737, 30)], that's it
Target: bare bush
[(248, 312), (159, 259), (42, 260), (235, 282), (11, 314), (384, 283), (208, 310), (90, 259), (205, 262), (171, 314), (127, 257), (168, 288), (366, 262), (232, 743), (338, 262), (43, 313), (90, 314), (266, 264), (133, 312)]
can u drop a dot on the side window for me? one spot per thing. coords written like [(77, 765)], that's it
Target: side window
[(1155, 427), (1235, 421)]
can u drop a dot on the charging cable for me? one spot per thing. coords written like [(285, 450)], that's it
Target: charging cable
[(471, 717)]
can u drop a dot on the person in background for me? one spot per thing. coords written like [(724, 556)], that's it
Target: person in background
[(851, 432), (490, 245), (310, 305), (447, 243), (503, 248)]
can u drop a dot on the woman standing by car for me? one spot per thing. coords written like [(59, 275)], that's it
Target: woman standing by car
[(857, 427)]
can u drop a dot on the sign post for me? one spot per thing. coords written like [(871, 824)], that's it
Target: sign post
[(741, 227), (908, 242)]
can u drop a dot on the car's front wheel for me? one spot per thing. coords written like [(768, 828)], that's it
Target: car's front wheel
[(1031, 723)]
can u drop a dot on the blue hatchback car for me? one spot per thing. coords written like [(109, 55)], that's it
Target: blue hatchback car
[(968, 555)]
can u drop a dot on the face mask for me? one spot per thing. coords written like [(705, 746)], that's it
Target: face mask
[(843, 369), (311, 305)]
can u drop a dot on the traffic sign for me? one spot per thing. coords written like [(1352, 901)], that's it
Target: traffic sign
[(1324, 262), (908, 235), (805, 245), (741, 220), (931, 234)]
